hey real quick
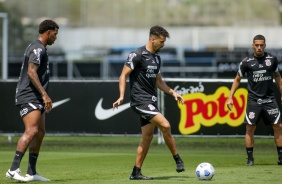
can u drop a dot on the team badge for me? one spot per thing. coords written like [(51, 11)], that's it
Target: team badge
[(267, 62), (251, 115)]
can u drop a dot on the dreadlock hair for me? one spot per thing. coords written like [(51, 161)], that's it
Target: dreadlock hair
[(47, 25), (158, 31)]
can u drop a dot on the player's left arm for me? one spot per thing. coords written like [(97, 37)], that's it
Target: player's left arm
[(163, 86), (33, 76), (278, 81)]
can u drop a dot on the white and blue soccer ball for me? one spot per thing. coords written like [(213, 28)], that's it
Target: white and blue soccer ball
[(205, 171)]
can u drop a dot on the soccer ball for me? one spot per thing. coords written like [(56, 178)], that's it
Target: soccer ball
[(205, 171)]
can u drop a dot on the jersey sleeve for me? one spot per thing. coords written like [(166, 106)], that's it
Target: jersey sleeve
[(242, 68), (36, 55), (132, 60), (275, 64)]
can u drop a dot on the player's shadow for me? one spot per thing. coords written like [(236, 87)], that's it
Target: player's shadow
[(180, 178)]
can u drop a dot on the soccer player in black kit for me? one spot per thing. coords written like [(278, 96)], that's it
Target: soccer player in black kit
[(143, 68), (33, 101), (261, 68)]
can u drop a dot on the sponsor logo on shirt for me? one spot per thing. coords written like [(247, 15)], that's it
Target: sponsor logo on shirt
[(150, 71), (258, 76)]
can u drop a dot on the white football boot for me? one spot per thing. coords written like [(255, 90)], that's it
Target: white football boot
[(16, 175), (35, 177)]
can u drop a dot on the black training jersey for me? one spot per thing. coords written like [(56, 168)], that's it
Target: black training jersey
[(25, 91), (145, 66), (259, 72)]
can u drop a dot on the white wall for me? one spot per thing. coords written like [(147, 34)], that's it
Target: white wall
[(74, 40)]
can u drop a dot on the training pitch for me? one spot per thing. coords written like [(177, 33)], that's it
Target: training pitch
[(109, 160)]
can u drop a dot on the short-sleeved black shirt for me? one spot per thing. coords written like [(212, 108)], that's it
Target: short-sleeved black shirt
[(25, 91), (259, 72), (145, 66)]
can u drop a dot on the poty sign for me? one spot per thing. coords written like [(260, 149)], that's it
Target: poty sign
[(208, 110)]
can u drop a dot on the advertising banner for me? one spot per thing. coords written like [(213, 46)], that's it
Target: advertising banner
[(205, 112), (86, 107)]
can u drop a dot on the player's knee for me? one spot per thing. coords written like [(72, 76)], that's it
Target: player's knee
[(250, 129), (166, 128), (41, 133), (277, 128), (32, 131)]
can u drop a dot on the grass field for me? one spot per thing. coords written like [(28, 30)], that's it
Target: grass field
[(109, 160)]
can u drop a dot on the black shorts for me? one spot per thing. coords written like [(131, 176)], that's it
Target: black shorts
[(146, 112), (268, 111), (28, 107)]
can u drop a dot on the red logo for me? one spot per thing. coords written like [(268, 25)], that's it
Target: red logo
[(208, 110)]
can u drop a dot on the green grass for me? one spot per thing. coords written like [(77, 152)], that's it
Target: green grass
[(109, 160)]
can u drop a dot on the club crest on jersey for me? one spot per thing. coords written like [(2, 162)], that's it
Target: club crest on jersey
[(251, 115), (267, 62), (37, 52)]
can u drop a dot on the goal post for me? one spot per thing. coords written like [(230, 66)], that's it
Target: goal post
[(4, 16)]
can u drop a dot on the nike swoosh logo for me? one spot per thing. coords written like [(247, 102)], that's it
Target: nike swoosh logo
[(103, 114), (58, 103), (12, 175)]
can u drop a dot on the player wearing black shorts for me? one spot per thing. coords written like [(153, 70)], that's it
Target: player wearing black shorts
[(33, 101), (261, 68), (143, 68)]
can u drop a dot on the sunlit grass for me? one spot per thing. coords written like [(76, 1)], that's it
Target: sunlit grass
[(110, 160)]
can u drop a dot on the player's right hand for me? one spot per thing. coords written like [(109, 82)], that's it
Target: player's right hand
[(229, 103), (117, 103), (47, 102)]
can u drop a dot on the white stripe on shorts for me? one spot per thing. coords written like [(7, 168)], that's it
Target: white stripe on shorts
[(33, 106), (148, 112), (278, 117), (248, 121)]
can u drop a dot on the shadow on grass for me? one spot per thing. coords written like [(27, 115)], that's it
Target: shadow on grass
[(171, 177)]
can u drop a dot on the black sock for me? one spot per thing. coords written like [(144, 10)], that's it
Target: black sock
[(250, 153), (177, 158), (31, 169), (136, 171), (17, 161), (279, 151)]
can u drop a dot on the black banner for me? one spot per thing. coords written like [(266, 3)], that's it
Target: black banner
[(86, 107)]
